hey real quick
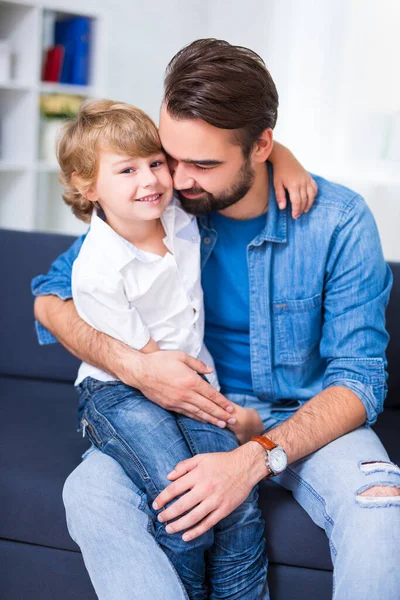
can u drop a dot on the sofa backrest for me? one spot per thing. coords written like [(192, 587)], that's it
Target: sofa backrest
[(393, 327), (26, 254)]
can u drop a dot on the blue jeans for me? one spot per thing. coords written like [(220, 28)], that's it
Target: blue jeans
[(148, 441), (109, 518)]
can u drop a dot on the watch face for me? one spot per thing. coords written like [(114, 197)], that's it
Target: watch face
[(277, 460)]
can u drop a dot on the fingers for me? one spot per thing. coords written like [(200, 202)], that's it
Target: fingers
[(183, 467), (303, 199), (203, 388), (177, 488), (196, 515), (202, 409), (295, 199), (310, 198), (197, 365), (188, 502), (210, 521), (280, 194)]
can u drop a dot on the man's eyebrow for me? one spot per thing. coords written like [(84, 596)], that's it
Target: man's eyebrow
[(206, 163)]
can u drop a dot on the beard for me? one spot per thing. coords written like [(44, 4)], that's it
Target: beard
[(207, 203)]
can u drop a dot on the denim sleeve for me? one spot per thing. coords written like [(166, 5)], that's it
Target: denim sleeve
[(56, 282), (357, 288)]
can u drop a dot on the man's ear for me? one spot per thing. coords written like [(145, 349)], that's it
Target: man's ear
[(89, 194), (263, 146)]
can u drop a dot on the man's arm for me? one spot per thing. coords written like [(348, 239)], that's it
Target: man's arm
[(213, 485), (353, 343), (167, 378)]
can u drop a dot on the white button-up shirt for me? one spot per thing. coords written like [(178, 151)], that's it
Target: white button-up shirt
[(133, 295)]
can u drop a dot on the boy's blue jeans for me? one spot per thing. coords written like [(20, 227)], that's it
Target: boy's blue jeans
[(148, 442)]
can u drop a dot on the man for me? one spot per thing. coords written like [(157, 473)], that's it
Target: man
[(295, 323)]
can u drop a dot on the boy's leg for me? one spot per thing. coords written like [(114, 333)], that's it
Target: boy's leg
[(147, 442), (236, 564), (108, 517)]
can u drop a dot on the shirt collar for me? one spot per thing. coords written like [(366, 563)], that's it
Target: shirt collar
[(174, 220), (122, 251)]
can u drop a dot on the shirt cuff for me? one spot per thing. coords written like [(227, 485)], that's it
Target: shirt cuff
[(364, 392), (43, 335), (42, 285)]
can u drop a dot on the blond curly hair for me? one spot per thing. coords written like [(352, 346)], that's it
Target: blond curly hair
[(106, 124)]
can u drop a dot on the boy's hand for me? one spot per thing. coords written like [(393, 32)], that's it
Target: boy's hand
[(290, 176), (248, 423)]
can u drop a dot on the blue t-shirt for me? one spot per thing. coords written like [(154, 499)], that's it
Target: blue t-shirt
[(225, 281)]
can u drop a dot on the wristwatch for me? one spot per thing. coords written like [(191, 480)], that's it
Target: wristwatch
[(276, 459)]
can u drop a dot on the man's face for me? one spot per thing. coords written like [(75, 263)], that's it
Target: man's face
[(209, 171)]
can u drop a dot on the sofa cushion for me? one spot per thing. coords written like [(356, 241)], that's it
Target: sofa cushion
[(39, 447), (30, 254)]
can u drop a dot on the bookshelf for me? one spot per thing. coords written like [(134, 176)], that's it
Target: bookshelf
[(30, 195)]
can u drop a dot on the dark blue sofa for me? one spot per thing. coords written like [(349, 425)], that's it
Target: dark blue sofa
[(40, 447)]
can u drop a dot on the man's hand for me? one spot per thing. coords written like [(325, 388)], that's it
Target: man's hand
[(169, 379), (213, 486)]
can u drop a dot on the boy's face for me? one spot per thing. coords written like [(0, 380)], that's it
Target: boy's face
[(209, 171), (132, 189)]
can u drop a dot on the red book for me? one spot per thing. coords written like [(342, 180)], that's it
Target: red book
[(53, 64)]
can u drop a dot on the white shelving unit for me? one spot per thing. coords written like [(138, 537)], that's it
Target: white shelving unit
[(30, 195)]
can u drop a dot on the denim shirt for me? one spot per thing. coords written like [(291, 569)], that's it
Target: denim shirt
[(319, 287)]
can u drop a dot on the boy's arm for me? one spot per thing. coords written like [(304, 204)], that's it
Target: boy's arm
[(290, 176)]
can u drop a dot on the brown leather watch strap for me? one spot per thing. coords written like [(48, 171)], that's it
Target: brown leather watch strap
[(265, 442)]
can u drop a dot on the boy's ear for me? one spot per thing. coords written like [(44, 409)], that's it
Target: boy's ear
[(263, 146), (89, 194)]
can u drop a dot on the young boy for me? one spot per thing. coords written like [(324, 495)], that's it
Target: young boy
[(137, 278)]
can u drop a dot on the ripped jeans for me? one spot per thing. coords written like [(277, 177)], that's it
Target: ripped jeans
[(110, 520)]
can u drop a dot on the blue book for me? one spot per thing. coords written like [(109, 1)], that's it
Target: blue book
[(74, 34), (62, 37), (81, 33)]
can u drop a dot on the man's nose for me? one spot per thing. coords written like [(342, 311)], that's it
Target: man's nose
[(182, 179)]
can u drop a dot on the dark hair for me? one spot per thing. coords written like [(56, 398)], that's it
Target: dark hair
[(226, 86)]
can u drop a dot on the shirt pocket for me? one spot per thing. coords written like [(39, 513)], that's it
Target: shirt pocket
[(297, 326)]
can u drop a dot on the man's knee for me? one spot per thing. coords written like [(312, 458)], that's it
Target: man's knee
[(380, 493), (74, 493)]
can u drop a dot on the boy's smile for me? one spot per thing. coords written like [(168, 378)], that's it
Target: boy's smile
[(152, 200), (133, 192)]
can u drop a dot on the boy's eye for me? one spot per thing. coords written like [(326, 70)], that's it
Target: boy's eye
[(128, 170), (156, 164)]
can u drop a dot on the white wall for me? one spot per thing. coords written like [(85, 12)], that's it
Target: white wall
[(335, 64), (143, 37)]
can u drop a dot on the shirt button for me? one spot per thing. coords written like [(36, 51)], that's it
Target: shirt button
[(207, 240), (194, 238)]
